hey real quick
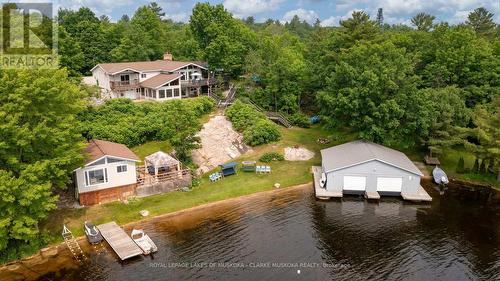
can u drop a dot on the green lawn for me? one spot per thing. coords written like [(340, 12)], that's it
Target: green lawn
[(151, 147), (449, 160)]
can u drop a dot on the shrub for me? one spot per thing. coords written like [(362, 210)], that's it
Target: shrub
[(264, 131), (243, 115), (254, 125), (460, 166), (271, 156), (129, 123), (300, 119)]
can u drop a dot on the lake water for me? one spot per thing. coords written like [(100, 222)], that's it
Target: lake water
[(292, 236)]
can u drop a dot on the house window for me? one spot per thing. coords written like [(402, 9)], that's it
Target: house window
[(169, 93), (125, 78), (154, 94), (183, 77), (121, 168), (176, 92), (162, 94), (96, 177), (143, 75), (174, 83)]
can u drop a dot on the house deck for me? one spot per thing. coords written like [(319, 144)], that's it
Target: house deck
[(119, 241), (322, 193)]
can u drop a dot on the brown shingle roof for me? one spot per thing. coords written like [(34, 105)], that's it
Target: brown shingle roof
[(162, 65), (159, 80), (99, 148)]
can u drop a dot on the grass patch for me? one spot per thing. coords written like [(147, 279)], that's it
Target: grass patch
[(151, 147)]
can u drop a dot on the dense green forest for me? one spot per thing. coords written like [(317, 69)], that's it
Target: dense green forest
[(431, 84)]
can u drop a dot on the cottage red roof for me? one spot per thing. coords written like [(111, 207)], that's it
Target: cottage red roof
[(99, 148)]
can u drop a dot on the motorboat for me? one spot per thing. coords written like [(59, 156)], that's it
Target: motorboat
[(143, 241), (322, 182), (440, 176), (93, 234)]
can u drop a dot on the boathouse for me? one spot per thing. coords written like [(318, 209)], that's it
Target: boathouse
[(369, 169)]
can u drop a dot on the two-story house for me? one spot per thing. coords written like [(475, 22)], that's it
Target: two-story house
[(153, 80)]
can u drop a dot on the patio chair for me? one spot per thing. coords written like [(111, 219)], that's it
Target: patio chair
[(258, 169), (267, 169)]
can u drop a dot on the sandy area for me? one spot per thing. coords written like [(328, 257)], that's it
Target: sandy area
[(220, 143), (298, 154)]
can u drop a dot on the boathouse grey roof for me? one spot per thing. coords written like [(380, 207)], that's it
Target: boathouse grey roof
[(361, 151)]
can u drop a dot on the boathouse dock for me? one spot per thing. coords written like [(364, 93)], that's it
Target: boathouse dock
[(119, 241)]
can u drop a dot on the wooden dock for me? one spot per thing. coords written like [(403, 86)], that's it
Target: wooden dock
[(322, 193), (421, 196), (372, 195), (119, 241)]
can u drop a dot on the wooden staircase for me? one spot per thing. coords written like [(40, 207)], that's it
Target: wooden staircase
[(272, 115), (73, 245)]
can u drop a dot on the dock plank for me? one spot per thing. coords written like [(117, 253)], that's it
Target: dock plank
[(420, 196), (372, 195), (119, 241)]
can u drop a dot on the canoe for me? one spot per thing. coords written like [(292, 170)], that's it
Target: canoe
[(143, 241), (439, 176)]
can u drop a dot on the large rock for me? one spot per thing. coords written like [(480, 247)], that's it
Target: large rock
[(220, 143)]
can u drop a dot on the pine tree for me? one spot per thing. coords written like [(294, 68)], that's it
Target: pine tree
[(380, 17), (475, 169), (482, 168), (481, 20), (460, 167)]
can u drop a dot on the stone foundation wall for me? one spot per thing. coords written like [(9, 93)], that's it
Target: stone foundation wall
[(162, 187)]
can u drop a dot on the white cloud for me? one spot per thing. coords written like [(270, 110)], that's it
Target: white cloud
[(180, 17), (334, 20), (98, 6), (398, 11), (309, 16), (244, 8)]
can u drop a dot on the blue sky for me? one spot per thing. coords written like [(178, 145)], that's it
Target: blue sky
[(328, 11)]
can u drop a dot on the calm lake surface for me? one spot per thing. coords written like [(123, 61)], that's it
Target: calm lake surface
[(271, 237)]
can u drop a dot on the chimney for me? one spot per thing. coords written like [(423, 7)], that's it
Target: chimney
[(167, 56)]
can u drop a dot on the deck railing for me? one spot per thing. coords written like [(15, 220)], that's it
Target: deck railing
[(143, 177), (124, 85), (198, 83)]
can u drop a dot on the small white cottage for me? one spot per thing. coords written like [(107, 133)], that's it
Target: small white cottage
[(363, 167), (109, 173)]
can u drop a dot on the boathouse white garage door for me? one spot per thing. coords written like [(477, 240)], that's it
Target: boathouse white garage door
[(354, 183), (389, 184)]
